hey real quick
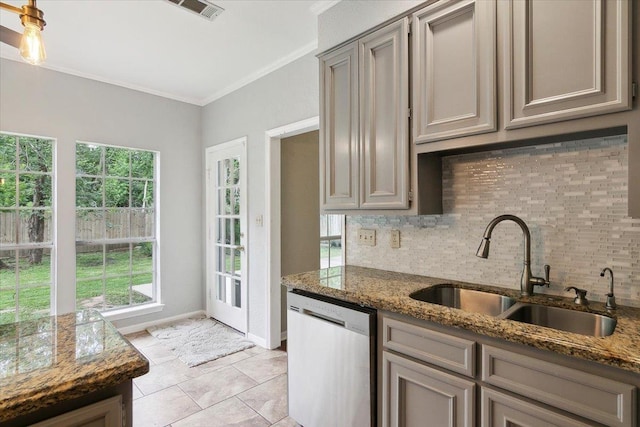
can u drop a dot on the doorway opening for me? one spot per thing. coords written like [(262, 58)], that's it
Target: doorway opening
[(273, 292)]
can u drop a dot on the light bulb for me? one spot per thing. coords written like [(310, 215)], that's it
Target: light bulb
[(31, 46)]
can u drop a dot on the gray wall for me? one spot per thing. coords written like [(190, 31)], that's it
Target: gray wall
[(46, 103), (287, 95), (300, 208), (347, 19)]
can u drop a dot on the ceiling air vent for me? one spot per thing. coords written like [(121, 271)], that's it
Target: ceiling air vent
[(201, 7)]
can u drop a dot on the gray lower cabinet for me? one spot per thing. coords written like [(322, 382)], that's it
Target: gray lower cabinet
[(442, 350), (430, 372), (499, 409), (416, 395), (604, 400), (106, 413)]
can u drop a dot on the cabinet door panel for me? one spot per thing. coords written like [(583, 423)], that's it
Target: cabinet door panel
[(106, 413), (339, 129), (565, 59), (384, 75), (600, 399), (443, 350), (413, 393), (454, 68), (501, 410)]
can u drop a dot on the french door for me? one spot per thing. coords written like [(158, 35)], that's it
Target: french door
[(226, 190)]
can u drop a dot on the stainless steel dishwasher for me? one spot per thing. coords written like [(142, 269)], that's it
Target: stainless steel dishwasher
[(331, 354)]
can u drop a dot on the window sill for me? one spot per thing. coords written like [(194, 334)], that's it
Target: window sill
[(140, 310)]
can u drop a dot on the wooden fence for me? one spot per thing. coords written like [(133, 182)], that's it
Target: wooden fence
[(90, 226)]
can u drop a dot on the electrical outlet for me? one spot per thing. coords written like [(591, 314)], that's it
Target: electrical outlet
[(395, 239), (367, 237)]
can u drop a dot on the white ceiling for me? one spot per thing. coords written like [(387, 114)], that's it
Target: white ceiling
[(156, 47)]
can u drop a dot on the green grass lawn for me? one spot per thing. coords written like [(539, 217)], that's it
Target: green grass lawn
[(34, 294), (324, 250), (237, 264)]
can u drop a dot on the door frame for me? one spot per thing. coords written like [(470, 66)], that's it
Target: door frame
[(273, 138), (210, 212)]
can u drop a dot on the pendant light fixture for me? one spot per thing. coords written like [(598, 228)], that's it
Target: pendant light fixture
[(30, 44)]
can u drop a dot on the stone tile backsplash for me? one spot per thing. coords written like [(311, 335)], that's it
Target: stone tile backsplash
[(572, 195)]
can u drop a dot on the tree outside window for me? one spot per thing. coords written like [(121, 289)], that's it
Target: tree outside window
[(26, 227), (116, 242)]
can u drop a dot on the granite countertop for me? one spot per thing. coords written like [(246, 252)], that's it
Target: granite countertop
[(52, 359), (386, 290)]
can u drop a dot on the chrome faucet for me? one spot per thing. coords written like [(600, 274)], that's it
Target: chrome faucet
[(527, 281), (611, 299)]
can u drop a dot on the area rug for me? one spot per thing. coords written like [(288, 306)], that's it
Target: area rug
[(201, 340)]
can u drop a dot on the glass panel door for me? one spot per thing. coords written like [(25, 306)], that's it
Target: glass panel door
[(226, 189)]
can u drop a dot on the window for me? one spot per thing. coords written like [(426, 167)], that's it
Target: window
[(331, 232), (116, 246), (26, 227)]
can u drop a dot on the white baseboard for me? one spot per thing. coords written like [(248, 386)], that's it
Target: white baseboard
[(258, 340), (142, 326), (263, 342)]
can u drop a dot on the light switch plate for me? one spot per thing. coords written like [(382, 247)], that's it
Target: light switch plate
[(394, 241), (367, 237)]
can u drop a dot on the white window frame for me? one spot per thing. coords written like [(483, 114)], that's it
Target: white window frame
[(335, 237), (155, 305), (53, 222)]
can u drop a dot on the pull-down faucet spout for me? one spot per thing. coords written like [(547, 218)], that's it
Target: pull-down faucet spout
[(527, 281)]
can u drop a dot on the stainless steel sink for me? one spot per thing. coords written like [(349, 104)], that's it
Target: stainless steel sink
[(465, 299), (579, 322)]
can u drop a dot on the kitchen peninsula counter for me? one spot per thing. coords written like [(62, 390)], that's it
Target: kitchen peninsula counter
[(53, 360), (389, 291)]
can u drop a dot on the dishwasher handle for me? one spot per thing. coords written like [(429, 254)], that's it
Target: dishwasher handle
[(353, 319), (320, 316)]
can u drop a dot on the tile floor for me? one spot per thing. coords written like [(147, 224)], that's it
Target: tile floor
[(248, 388)]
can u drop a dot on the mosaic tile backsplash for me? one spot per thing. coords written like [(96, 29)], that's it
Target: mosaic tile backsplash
[(572, 195)]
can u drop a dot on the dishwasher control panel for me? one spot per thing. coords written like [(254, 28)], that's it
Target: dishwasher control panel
[(349, 316)]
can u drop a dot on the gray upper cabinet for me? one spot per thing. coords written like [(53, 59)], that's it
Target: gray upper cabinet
[(339, 152), (384, 121), (454, 69), (565, 59), (364, 104)]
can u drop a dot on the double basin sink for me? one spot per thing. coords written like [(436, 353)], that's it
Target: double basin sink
[(504, 307)]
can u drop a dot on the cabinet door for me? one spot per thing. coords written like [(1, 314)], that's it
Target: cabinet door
[(454, 69), (384, 121), (565, 59), (339, 162), (417, 395), (607, 401), (106, 413), (499, 410)]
